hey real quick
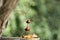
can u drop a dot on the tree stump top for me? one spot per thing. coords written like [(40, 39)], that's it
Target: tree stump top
[(18, 38)]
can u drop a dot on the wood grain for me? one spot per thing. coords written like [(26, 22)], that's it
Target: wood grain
[(18, 38)]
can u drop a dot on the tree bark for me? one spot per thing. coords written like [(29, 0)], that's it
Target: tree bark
[(5, 10)]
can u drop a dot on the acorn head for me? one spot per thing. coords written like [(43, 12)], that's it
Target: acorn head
[(27, 29), (28, 21)]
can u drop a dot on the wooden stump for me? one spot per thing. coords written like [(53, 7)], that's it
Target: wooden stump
[(18, 38), (11, 38)]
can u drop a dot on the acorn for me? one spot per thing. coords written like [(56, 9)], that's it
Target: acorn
[(28, 21), (27, 29)]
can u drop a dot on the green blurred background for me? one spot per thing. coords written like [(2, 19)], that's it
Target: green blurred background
[(44, 16)]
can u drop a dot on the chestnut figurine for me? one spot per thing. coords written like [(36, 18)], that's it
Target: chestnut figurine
[(27, 29), (28, 21)]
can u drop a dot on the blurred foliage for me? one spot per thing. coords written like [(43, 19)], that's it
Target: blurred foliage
[(44, 16)]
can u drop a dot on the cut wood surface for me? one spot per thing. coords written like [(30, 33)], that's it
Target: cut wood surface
[(18, 38), (10, 38)]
